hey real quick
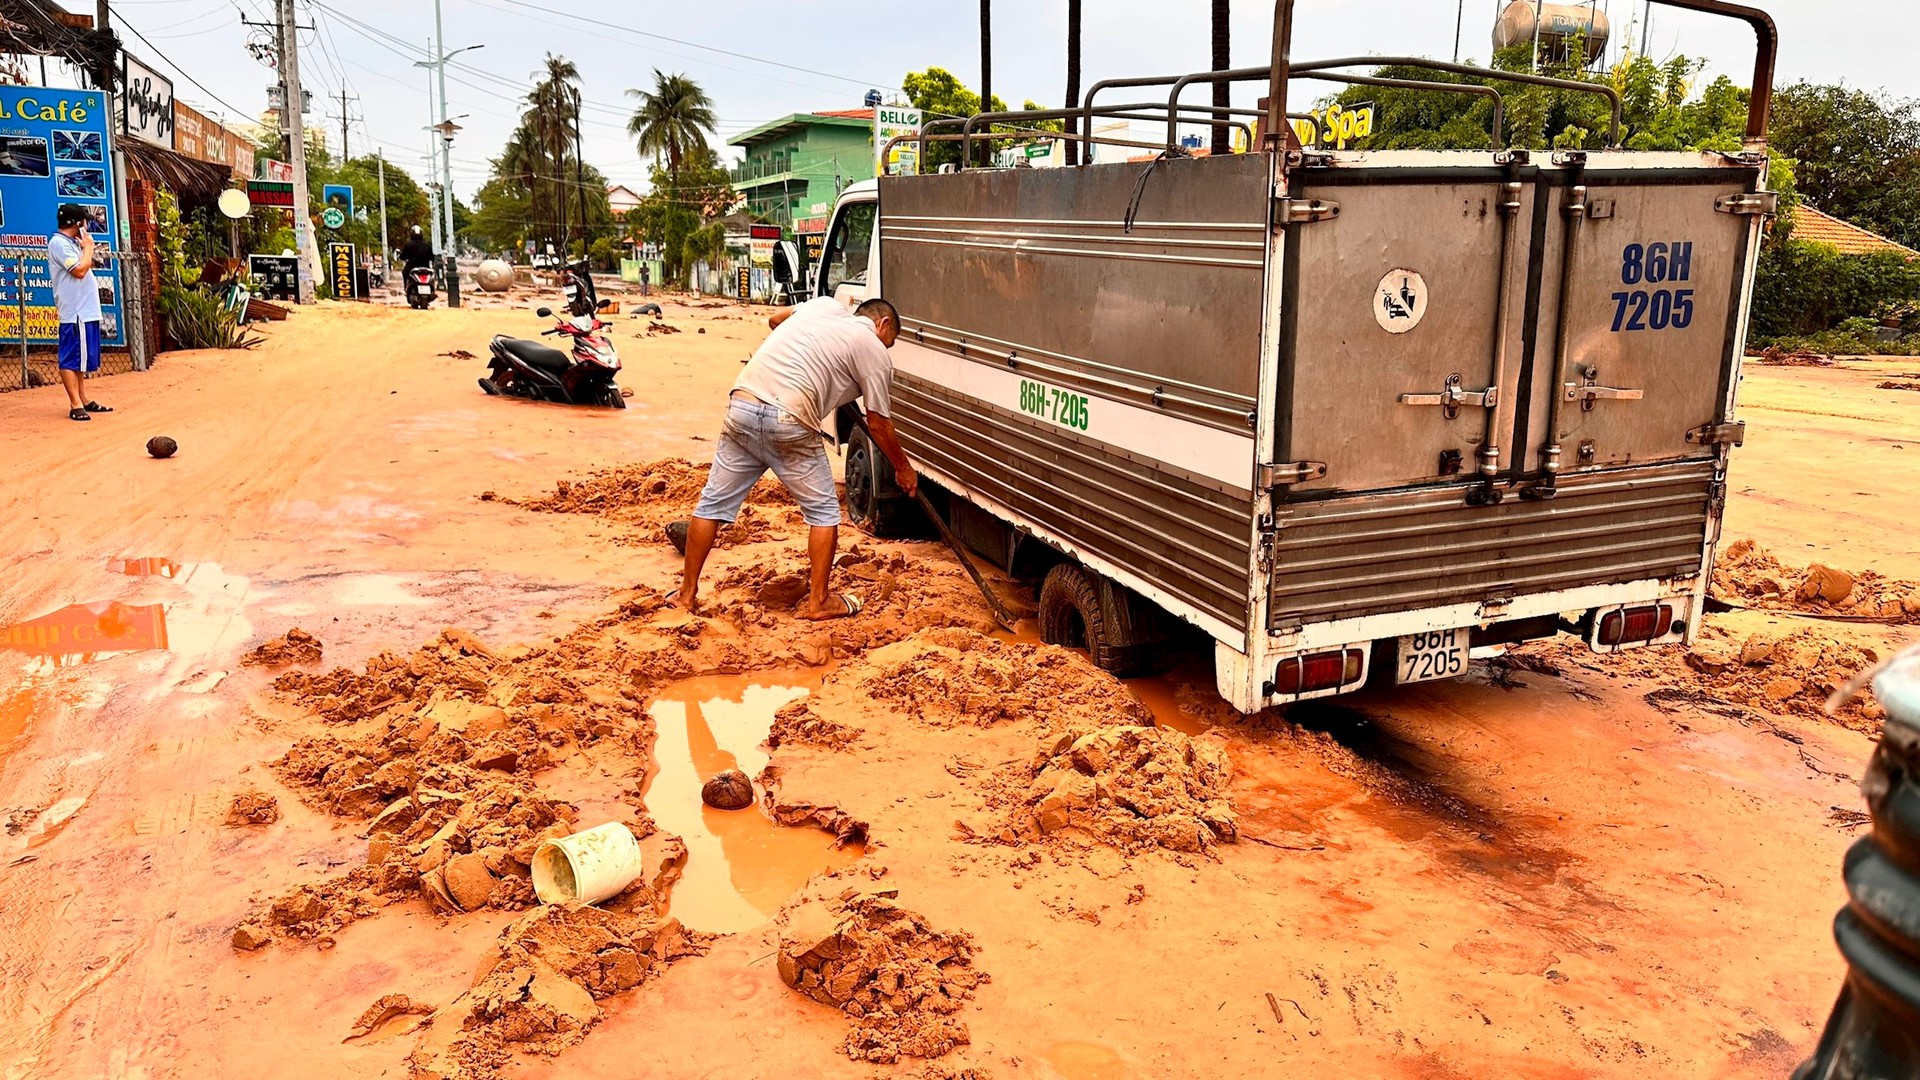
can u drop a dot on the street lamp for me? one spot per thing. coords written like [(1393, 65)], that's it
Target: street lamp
[(446, 129)]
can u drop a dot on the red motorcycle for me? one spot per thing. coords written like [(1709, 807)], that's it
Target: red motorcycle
[(583, 376)]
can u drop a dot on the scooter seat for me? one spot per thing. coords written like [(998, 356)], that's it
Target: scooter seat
[(533, 354)]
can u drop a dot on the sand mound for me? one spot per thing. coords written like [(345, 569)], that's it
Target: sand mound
[(1750, 576), (671, 485), (253, 808), (1131, 787), (900, 981), (947, 676), (797, 724), (901, 596), (555, 964), (296, 646)]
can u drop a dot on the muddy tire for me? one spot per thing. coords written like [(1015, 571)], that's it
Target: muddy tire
[(874, 501), (1070, 615), (612, 398)]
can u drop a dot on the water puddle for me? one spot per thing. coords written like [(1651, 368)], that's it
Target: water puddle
[(740, 865), (148, 567), (1160, 694), (84, 633)]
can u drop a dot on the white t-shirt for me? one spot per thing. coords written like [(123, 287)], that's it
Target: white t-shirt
[(822, 357), (77, 299)]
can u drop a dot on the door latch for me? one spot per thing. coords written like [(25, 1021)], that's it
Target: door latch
[(1279, 474), (1587, 390), (1451, 397), (1754, 202), (1733, 434), (1303, 211)]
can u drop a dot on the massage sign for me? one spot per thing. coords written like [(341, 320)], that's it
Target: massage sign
[(55, 147)]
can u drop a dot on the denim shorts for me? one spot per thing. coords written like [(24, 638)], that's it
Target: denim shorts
[(757, 437)]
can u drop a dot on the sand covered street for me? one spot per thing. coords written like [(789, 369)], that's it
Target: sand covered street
[(284, 718)]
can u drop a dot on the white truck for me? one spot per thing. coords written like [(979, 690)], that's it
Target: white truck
[(1352, 415)]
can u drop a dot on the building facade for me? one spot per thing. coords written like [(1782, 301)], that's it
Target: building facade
[(794, 167)]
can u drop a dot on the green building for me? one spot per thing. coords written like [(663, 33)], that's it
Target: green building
[(795, 166)]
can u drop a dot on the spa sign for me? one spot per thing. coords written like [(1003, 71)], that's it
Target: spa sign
[(54, 148)]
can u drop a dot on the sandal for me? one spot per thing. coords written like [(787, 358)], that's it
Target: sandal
[(78, 414), (854, 607), (94, 406)]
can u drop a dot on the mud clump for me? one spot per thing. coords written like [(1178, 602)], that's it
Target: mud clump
[(950, 676), (900, 981), (543, 991), (1749, 575), (1134, 788), (253, 808), (729, 790), (797, 724), (296, 646), (654, 492), (900, 596)]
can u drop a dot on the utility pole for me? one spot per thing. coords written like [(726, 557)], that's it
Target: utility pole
[(104, 76), (344, 155), (1459, 21), (440, 57), (297, 149), (386, 249), (433, 165)]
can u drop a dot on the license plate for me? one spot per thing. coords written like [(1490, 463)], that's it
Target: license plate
[(1436, 654)]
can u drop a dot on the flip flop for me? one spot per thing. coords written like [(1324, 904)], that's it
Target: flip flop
[(854, 606), (94, 406), (78, 414)]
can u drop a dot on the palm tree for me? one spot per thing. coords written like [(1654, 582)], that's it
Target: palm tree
[(1222, 90), (553, 110), (1073, 80), (672, 119)]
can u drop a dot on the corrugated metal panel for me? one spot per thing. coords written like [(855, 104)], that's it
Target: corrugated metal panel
[(1403, 550), (1189, 537)]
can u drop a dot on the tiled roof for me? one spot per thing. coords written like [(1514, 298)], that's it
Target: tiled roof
[(846, 114), (1843, 236)]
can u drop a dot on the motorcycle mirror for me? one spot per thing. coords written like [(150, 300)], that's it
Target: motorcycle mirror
[(603, 305), (545, 312)]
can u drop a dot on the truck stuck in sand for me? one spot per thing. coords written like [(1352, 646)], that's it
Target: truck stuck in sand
[(1355, 415)]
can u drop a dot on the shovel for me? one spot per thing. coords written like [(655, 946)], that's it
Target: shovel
[(1000, 613)]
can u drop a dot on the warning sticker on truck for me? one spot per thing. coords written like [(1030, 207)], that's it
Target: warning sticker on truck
[(1051, 403), (1400, 302)]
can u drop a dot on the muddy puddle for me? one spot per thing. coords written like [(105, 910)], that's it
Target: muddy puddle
[(740, 865)]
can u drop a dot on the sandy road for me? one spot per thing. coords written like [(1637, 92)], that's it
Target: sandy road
[(1521, 873)]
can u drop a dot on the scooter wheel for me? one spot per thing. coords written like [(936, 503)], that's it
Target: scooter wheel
[(614, 399), (492, 388)]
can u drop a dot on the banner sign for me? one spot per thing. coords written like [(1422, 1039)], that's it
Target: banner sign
[(340, 195), (198, 136), (899, 120), (744, 283), (271, 193), (340, 264), (54, 148), (760, 241), (147, 105), (275, 277), (276, 170)]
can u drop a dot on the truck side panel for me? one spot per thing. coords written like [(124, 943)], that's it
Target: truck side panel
[(1091, 382)]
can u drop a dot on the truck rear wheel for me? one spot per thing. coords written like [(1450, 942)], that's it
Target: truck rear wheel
[(1071, 615), (874, 501)]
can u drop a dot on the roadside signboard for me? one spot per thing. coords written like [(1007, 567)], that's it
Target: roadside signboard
[(332, 218), (263, 193), (760, 241), (340, 264), (340, 195), (743, 283), (146, 107), (899, 120), (275, 277), (55, 148), (276, 170)]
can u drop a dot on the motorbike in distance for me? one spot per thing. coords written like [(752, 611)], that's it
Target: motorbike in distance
[(419, 281), (521, 368)]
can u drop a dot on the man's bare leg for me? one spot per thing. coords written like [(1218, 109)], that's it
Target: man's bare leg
[(700, 534), (71, 381), (821, 540)]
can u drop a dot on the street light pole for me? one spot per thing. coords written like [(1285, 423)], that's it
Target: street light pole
[(446, 160)]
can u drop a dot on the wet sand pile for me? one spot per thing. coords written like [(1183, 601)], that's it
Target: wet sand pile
[(456, 663), (797, 724), (947, 676), (900, 596), (1131, 787), (657, 492), (1750, 576), (900, 981), (296, 646), (542, 993), (253, 808), (1775, 356)]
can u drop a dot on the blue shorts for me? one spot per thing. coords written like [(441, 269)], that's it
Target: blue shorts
[(757, 437), (80, 346)]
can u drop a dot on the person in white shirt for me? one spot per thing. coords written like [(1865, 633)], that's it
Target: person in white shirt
[(76, 299), (820, 356)]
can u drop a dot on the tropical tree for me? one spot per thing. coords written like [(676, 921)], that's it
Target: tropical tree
[(672, 119), (552, 117)]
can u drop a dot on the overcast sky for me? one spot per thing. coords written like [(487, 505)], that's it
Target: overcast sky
[(369, 46)]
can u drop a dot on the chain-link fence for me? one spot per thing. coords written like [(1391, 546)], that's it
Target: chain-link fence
[(29, 325)]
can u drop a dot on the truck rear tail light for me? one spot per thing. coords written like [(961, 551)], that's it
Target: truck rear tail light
[(1629, 625), (1318, 671)]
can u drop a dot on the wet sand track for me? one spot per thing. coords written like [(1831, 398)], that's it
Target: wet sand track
[(1559, 866)]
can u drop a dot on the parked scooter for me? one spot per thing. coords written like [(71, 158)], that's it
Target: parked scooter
[(420, 287), (528, 369)]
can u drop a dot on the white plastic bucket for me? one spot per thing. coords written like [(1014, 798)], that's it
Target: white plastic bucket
[(589, 866)]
